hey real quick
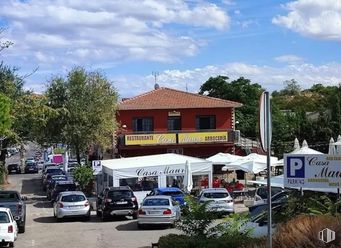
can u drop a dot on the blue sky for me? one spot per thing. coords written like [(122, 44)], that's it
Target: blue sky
[(186, 42)]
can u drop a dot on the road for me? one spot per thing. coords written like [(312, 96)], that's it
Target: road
[(43, 231)]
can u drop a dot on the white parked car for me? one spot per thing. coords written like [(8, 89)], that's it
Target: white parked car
[(159, 209), (71, 204), (8, 227), (219, 198)]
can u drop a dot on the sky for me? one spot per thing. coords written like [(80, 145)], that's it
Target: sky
[(180, 43)]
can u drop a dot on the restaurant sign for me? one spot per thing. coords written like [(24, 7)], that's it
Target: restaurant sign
[(312, 171), (202, 137), (150, 139)]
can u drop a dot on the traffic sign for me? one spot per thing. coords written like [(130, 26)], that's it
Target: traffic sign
[(97, 167), (265, 128)]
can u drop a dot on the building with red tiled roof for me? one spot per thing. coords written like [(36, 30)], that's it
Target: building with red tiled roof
[(166, 98), (168, 120)]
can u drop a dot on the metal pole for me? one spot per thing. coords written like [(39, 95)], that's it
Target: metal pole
[(338, 193), (268, 141)]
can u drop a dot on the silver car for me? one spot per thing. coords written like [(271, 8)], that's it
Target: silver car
[(159, 209), (71, 204), (220, 200)]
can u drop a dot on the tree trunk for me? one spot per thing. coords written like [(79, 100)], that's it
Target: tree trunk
[(3, 153), (78, 154)]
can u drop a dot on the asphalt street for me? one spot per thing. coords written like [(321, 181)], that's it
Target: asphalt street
[(43, 231)]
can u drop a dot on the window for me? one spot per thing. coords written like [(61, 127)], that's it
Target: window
[(4, 217), (144, 124), (205, 122), (73, 198), (118, 195), (174, 123)]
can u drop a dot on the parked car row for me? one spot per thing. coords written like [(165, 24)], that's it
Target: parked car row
[(12, 216)]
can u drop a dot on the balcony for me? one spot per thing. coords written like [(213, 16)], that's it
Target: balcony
[(177, 138)]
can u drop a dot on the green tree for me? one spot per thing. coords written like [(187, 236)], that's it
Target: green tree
[(5, 116), (240, 90), (83, 175), (86, 105)]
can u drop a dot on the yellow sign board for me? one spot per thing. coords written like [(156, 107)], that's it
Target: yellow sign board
[(150, 139), (202, 137)]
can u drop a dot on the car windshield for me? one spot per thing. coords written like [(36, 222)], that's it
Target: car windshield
[(65, 187), (4, 218), (30, 164), (216, 195), (171, 193), (156, 202), (73, 198), (8, 196), (121, 194)]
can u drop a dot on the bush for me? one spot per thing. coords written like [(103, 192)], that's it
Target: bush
[(83, 175), (195, 220), (183, 241), (303, 230)]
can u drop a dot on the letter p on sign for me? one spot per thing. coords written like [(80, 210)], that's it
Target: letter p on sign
[(295, 167)]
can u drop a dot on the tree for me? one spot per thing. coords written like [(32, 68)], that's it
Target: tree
[(84, 177), (240, 90), (4, 43), (5, 116), (77, 101)]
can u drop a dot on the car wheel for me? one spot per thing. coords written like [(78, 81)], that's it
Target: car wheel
[(135, 215), (22, 229), (11, 244), (87, 217)]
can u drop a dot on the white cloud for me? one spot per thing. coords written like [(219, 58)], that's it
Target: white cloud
[(271, 78), (316, 18), (94, 32), (289, 58)]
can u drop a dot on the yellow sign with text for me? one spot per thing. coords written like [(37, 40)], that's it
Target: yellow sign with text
[(204, 137), (150, 139)]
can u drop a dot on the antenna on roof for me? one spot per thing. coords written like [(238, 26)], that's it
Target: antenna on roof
[(156, 74), (186, 87)]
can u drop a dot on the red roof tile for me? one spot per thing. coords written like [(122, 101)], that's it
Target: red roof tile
[(166, 98)]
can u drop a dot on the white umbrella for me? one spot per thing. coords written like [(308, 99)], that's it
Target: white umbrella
[(331, 150), (188, 180), (338, 145), (253, 163), (223, 158), (296, 144), (305, 149)]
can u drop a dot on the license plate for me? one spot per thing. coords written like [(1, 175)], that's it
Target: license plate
[(123, 202), (153, 212)]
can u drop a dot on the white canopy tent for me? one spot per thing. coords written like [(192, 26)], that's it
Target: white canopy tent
[(303, 150), (223, 158), (161, 166), (253, 163)]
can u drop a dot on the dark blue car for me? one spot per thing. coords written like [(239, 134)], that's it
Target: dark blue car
[(175, 193)]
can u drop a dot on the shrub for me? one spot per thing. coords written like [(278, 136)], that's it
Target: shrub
[(84, 177), (183, 241), (303, 230), (196, 219)]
